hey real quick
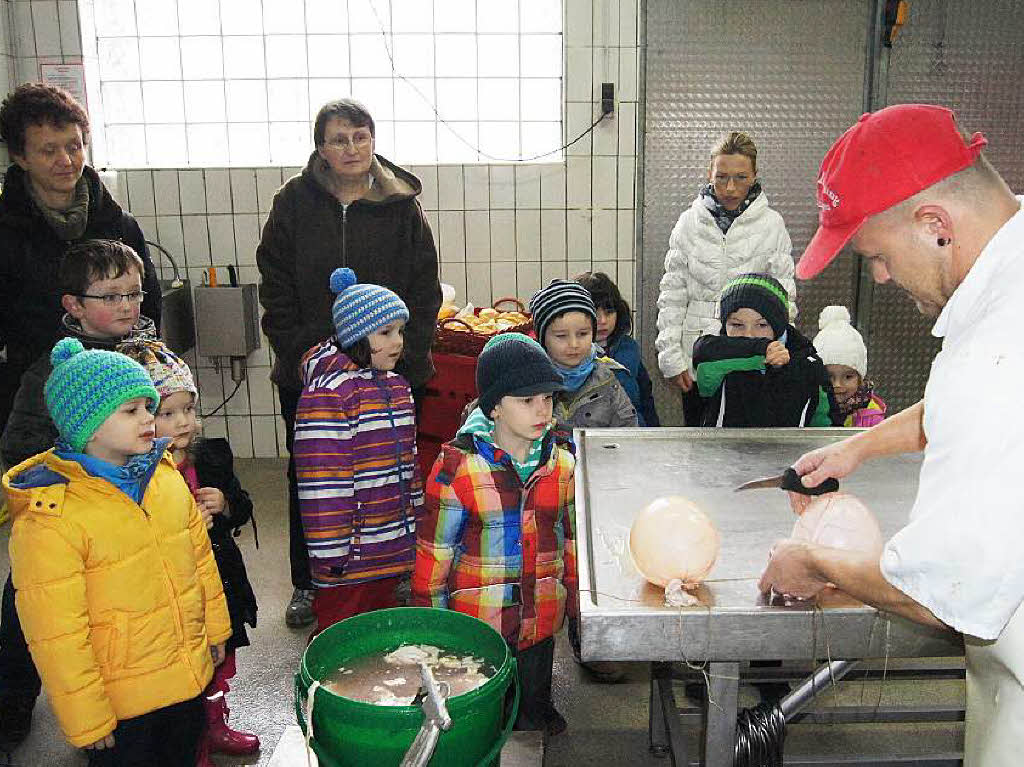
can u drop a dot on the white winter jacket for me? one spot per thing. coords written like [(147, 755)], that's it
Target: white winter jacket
[(700, 260)]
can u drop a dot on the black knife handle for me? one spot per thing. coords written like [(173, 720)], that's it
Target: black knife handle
[(791, 481)]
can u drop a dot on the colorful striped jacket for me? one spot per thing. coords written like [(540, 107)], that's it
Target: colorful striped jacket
[(494, 548), (355, 460)]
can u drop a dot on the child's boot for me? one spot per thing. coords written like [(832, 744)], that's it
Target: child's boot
[(220, 738)]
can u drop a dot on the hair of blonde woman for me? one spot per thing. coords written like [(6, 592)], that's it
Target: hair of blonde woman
[(736, 142)]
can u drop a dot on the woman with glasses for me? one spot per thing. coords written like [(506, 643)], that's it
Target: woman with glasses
[(51, 200), (348, 207), (727, 230)]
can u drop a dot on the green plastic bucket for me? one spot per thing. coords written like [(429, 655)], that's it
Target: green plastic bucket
[(350, 733)]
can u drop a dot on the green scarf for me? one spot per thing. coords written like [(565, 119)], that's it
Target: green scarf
[(479, 425), (69, 224)]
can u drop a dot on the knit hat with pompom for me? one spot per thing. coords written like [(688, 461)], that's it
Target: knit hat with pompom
[(362, 308), (85, 387), (838, 342)]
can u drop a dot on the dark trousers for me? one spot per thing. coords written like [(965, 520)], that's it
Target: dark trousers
[(693, 407), (534, 668), (167, 737), (297, 554), (18, 677)]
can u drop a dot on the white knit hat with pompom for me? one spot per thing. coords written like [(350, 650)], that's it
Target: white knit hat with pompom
[(838, 342)]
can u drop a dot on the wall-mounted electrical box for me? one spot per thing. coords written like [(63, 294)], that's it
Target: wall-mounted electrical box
[(227, 320)]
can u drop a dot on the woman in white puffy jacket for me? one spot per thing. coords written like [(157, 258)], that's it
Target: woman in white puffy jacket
[(728, 230)]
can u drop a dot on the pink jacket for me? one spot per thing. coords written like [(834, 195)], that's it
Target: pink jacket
[(866, 417)]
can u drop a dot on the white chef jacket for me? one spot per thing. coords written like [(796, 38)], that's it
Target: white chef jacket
[(961, 554)]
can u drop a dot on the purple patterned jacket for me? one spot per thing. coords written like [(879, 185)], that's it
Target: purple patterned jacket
[(355, 458)]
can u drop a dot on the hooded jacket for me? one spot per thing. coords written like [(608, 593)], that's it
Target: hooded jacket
[(496, 548), (29, 428), (119, 601), (701, 260), (355, 461), (30, 257), (600, 402), (384, 238), (740, 389)]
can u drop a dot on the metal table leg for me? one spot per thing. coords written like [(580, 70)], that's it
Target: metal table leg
[(665, 730), (720, 716)]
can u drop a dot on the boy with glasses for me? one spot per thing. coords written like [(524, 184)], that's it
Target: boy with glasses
[(101, 282)]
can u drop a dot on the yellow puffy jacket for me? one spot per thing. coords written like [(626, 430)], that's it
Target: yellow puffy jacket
[(119, 602)]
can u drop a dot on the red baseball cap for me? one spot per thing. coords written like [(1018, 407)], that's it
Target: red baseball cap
[(887, 157)]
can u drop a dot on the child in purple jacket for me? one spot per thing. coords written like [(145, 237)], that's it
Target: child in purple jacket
[(355, 455)]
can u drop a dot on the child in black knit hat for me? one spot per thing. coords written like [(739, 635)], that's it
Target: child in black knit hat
[(496, 540), (759, 370)]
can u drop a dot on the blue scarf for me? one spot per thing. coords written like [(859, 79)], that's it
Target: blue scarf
[(132, 478), (574, 378)]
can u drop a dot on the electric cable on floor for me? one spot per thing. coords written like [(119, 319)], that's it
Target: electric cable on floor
[(760, 736)]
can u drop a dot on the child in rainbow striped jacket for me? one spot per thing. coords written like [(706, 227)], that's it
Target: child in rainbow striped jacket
[(355, 457)]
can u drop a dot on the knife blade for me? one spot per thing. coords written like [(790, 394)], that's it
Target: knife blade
[(790, 480)]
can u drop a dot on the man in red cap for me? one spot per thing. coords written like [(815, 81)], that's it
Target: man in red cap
[(920, 202)]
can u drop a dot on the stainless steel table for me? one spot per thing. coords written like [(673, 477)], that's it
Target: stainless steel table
[(624, 618)]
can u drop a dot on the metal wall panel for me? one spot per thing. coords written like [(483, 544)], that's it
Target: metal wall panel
[(789, 72), (969, 56)]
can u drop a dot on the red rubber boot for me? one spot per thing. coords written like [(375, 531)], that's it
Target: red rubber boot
[(203, 759), (220, 738)]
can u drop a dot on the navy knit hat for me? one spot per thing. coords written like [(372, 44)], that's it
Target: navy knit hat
[(513, 365), (362, 308), (760, 292), (559, 297), (85, 387)]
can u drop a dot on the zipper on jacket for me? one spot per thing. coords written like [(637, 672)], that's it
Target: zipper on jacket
[(402, 491), (344, 230)]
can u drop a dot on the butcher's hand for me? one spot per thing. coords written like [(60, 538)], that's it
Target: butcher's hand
[(840, 459), (791, 571)]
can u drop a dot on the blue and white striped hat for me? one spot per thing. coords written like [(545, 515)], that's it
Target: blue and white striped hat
[(361, 308)]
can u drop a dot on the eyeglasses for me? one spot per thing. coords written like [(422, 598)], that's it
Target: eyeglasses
[(50, 151), (740, 179), (114, 299), (357, 142)]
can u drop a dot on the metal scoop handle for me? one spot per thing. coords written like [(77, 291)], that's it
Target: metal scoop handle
[(435, 719)]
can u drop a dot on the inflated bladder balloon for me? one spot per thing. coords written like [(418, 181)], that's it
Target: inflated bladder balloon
[(673, 540), (841, 521)]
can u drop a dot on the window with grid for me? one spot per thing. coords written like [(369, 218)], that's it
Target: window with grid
[(177, 83)]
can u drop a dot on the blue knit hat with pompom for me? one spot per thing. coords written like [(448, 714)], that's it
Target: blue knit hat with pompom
[(85, 387), (361, 308)]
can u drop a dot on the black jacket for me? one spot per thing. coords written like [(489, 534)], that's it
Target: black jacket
[(30, 256), (384, 238), (29, 428), (214, 464), (732, 371)]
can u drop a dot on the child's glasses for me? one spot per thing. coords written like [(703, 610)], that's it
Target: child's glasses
[(114, 299)]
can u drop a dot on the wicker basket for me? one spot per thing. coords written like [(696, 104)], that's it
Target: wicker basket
[(468, 342)]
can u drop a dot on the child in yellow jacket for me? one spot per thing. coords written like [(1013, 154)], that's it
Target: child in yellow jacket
[(116, 586)]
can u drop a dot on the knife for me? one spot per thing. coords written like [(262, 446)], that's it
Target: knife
[(790, 480)]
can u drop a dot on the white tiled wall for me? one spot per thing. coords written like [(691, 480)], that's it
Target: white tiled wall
[(501, 230)]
